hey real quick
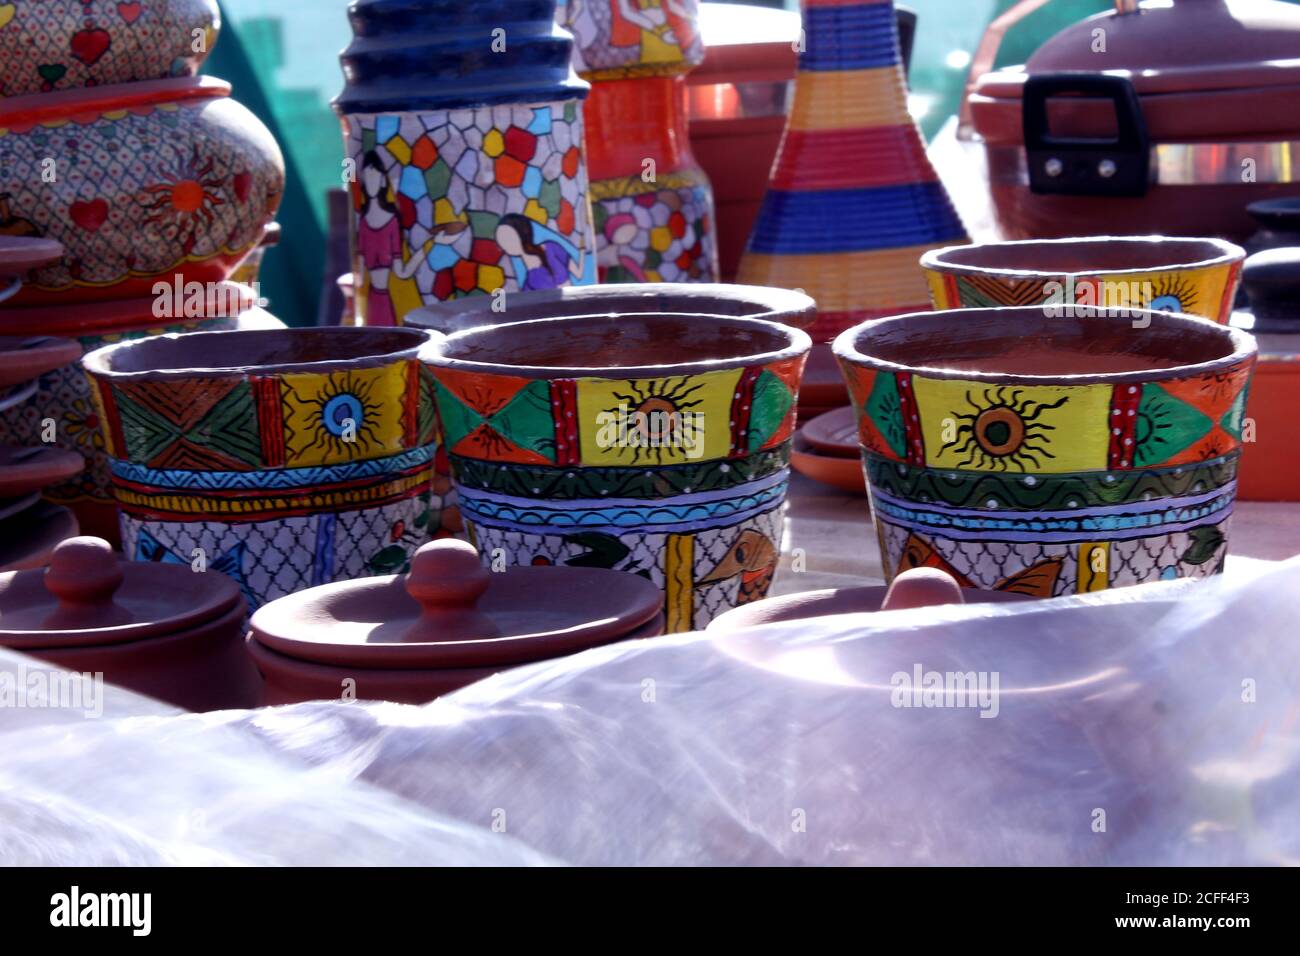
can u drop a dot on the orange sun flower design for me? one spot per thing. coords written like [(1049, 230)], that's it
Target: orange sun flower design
[(186, 199)]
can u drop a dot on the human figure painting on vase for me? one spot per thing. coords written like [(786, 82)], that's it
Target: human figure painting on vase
[(381, 248)]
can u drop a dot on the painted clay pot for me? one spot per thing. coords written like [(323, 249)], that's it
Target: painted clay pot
[(151, 180), (669, 458), (62, 44), (448, 623), (463, 128), (1196, 276), (63, 397), (1022, 450), (652, 204), (157, 629), (853, 200), (286, 458)]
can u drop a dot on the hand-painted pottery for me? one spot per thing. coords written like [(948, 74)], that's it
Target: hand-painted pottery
[(164, 630), (59, 44), (853, 200), (667, 456), (140, 182), (842, 473), (1020, 450), (651, 202), (464, 133), (62, 406), (446, 624), (287, 458), (1196, 276)]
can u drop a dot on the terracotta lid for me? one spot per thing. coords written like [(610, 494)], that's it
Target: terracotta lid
[(917, 587), (29, 469), (834, 433), (450, 611), (1272, 282), (25, 357), (20, 254), (88, 597)]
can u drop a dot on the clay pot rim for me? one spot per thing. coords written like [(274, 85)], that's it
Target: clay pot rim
[(1224, 252), (34, 108), (771, 304), (116, 315), (951, 323), (798, 343), (97, 363)]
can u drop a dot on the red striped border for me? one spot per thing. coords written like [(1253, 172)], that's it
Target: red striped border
[(915, 452), (832, 159), (1122, 425), (741, 404), (114, 422), (564, 401), (411, 405), (270, 420), (1229, 294)]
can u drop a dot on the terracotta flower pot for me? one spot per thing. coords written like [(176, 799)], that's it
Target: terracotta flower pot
[(61, 44), (150, 181), (651, 443), (287, 458), (1196, 276), (1023, 451), (466, 147)]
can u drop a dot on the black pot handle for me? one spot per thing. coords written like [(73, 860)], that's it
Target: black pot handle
[(1086, 167)]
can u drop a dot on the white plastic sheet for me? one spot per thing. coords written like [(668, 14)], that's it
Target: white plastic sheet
[(1153, 725)]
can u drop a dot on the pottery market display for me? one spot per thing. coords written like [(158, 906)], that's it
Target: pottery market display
[(446, 624), (463, 129), (1197, 276), (1024, 451), (853, 200), (61, 44), (162, 630), (1186, 114), (652, 204), (650, 443), (284, 458)]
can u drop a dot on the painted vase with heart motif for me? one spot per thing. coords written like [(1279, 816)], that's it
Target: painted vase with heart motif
[(54, 45), (140, 182)]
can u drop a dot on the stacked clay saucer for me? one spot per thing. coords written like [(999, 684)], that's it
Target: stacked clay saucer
[(30, 528)]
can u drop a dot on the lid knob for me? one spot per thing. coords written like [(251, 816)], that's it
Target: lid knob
[(922, 587), (447, 579), (1272, 281), (84, 574)]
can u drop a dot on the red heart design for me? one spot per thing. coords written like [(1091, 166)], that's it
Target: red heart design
[(89, 215), (243, 185), (130, 12), (89, 45)]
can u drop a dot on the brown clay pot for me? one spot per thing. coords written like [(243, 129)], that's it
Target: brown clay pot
[(448, 623), (163, 630)]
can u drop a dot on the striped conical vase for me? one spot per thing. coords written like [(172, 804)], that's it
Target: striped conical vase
[(853, 201)]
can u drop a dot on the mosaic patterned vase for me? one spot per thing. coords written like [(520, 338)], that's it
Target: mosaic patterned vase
[(651, 202), (669, 460), (51, 45), (853, 201), (463, 126), (1023, 451), (140, 182), (1196, 276), (285, 459)]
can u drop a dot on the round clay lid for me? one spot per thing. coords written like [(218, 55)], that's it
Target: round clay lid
[(88, 597), (20, 254), (450, 611)]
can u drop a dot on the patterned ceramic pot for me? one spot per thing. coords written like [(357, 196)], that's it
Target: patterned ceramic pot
[(286, 459), (1196, 276), (651, 202), (1048, 455), (140, 182), (669, 460), (464, 132), (60, 44)]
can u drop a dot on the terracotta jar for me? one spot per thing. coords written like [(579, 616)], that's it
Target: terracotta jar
[(56, 45), (1196, 276), (1023, 450), (151, 181), (448, 623), (651, 443), (162, 630), (1166, 116), (285, 458), (651, 202), (464, 135)]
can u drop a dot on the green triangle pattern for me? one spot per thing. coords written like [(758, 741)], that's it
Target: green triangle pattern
[(885, 409), (527, 421), (768, 408), (1165, 426), (145, 432), (225, 428), (458, 419), (1234, 419)]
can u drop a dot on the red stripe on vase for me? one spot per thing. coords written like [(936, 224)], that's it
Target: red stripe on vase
[(564, 405), (833, 159), (911, 420), (270, 420), (1124, 401), (114, 419), (742, 405), (411, 405)]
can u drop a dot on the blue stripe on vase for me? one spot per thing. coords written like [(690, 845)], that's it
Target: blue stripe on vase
[(322, 566), (855, 37), (313, 477)]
